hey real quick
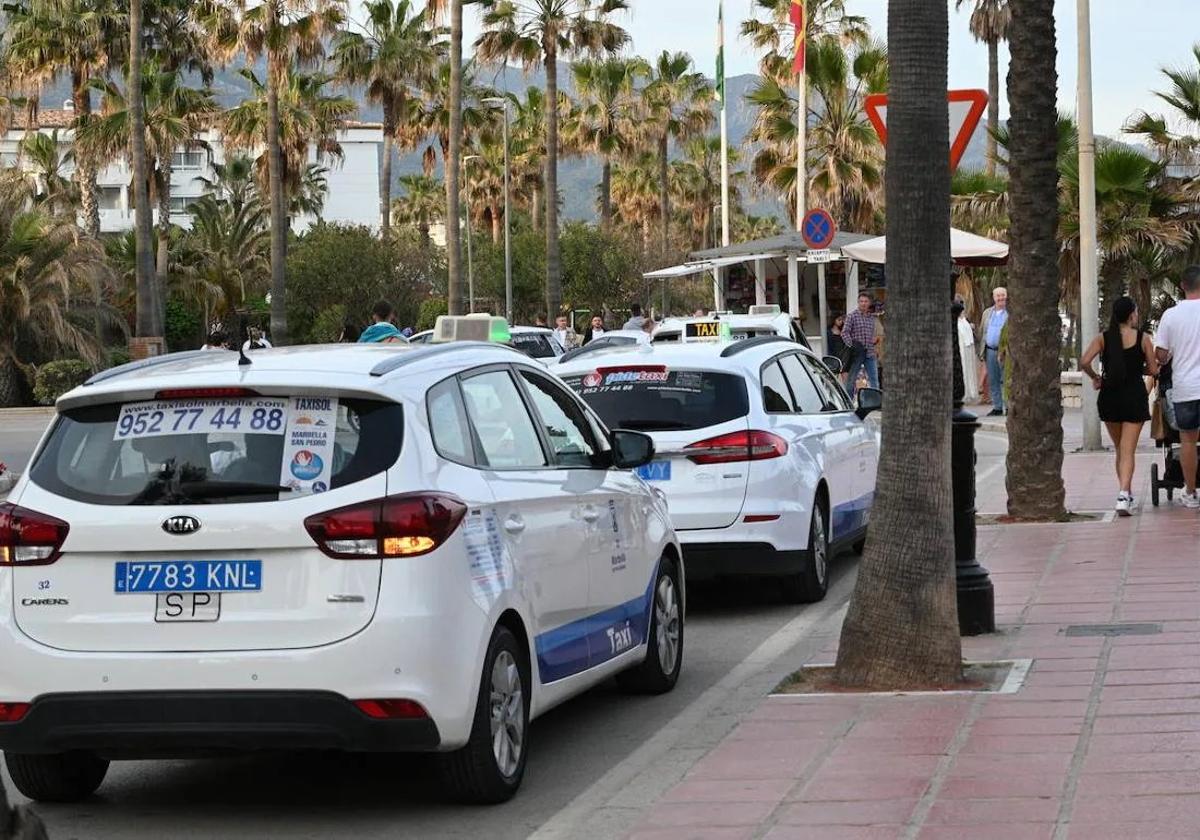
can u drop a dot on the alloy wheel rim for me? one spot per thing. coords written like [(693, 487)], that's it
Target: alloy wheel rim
[(507, 704), (667, 626), (820, 547)]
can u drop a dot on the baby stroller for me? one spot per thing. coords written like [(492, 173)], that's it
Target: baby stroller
[(1166, 437)]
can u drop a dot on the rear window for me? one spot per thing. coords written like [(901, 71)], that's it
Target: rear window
[(217, 451), (652, 399), (534, 345)]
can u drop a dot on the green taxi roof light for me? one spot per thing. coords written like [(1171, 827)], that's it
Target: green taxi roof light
[(500, 331)]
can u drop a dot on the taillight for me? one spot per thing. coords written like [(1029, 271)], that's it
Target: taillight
[(29, 538), (398, 526), (738, 446), (392, 709), (12, 712)]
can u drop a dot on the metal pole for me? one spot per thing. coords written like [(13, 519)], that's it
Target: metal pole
[(823, 303), (801, 147), (1089, 296), (724, 179), (508, 284)]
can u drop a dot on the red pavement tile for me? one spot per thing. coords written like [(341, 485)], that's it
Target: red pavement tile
[(730, 790), (833, 832), (709, 815), (994, 811), (922, 727), (1146, 723), (1161, 676), (879, 812), (693, 833), (850, 787), (1043, 677), (1002, 787), (776, 730), (1131, 831), (1012, 763), (1167, 691), (928, 745), (1140, 762), (1139, 784), (782, 708), (989, 831), (1027, 726), (1176, 706), (1002, 744), (895, 765), (1145, 742), (1018, 706), (715, 766), (1179, 810)]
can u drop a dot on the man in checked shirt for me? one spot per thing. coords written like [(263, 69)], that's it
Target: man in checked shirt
[(860, 336)]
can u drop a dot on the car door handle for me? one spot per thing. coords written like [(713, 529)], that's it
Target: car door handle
[(514, 524), (591, 513)]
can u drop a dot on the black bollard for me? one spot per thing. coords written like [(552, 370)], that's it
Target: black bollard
[(976, 596)]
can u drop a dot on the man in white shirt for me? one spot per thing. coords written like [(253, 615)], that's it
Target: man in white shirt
[(565, 334), (1178, 341)]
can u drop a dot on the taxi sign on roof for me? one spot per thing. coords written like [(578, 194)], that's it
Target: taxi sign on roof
[(476, 327)]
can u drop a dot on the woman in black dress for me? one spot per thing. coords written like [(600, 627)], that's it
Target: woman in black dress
[(1127, 357)]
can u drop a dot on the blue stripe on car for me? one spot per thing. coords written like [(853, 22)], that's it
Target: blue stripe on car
[(851, 516), (585, 642)]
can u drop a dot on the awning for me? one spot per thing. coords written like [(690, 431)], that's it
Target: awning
[(701, 266), (965, 249)]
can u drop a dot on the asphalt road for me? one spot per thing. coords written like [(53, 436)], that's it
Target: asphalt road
[(572, 748)]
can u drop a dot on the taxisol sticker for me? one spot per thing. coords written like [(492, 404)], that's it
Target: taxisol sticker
[(308, 444)]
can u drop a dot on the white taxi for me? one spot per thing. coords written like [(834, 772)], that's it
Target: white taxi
[(355, 547), (537, 343), (767, 465), (766, 319)]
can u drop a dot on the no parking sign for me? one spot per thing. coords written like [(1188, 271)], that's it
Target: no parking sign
[(818, 229)]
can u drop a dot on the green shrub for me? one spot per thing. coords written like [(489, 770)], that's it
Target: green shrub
[(327, 326), (56, 378), (431, 308), (118, 356), (183, 326)]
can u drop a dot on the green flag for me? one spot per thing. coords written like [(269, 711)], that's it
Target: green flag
[(721, 52)]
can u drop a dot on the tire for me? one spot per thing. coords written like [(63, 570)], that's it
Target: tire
[(58, 777), (485, 772), (859, 545), (810, 585), (1154, 499), (659, 671)]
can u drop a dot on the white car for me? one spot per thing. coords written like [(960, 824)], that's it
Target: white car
[(759, 321), (355, 547), (537, 343), (612, 338), (767, 466)]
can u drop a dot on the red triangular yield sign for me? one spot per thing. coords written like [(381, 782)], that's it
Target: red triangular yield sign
[(966, 107)]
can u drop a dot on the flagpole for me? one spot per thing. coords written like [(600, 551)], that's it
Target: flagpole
[(724, 126), (801, 122)]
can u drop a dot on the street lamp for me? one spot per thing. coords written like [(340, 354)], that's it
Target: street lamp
[(508, 286), (470, 259)]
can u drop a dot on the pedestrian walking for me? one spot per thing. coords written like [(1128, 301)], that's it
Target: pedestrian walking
[(350, 331), (990, 327), (1178, 342), (595, 329), (540, 320), (967, 358), (216, 341), (565, 333), (383, 331), (636, 319), (834, 345), (861, 337), (1127, 356), (256, 340)]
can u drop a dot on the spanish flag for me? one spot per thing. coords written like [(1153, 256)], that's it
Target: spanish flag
[(797, 15)]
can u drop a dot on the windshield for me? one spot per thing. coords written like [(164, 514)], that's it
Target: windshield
[(534, 345), (661, 400), (217, 451)]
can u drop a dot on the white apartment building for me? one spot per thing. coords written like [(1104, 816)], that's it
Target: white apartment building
[(353, 196)]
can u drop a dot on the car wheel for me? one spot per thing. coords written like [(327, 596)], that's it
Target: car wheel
[(490, 767), (859, 545), (810, 584), (659, 671), (57, 777)]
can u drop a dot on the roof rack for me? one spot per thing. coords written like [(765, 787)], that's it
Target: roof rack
[(757, 341), (395, 363), (142, 364)]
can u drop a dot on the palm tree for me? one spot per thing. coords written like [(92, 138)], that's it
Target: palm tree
[(151, 298), (229, 244), (528, 155), (824, 20), (537, 32), (1035, 486), (605, 122), (308, 117), (288, 32), (845, 157), (49, 37), (173, 114), (1184, 100), (679, 105), (696, 185), (393, 56), (485, 183), (990, 21), (435, 119), (47, 158), (902, 626), (49, 276), (421, 204), (635, 194)]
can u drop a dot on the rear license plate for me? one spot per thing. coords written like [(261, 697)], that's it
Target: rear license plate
[(188, 606), (655, 471), (189, 576)]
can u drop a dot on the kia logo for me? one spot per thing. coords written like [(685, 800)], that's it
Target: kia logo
[(181, 525)]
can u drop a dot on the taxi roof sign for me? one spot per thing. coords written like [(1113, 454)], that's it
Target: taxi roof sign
[(771, 309), (475, 327)]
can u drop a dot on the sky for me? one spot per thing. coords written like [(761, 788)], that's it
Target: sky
[(1129, 46)]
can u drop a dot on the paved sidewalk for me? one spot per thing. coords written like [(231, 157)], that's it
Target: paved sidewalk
[(1103, 740)]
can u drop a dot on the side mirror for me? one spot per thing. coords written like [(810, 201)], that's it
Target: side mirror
[(869, 399), (833, 363), (631, 450)]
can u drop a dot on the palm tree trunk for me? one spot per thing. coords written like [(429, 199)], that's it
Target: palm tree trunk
[(163, 184), (606, 210), (1035, 485), (497, 220), (150, 305), (279, 219), (453, 158), (385, 171), (85, 167), (11, 386), (664, 192), (553, 260), (993, 103), (535, 210), (902, 626)]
